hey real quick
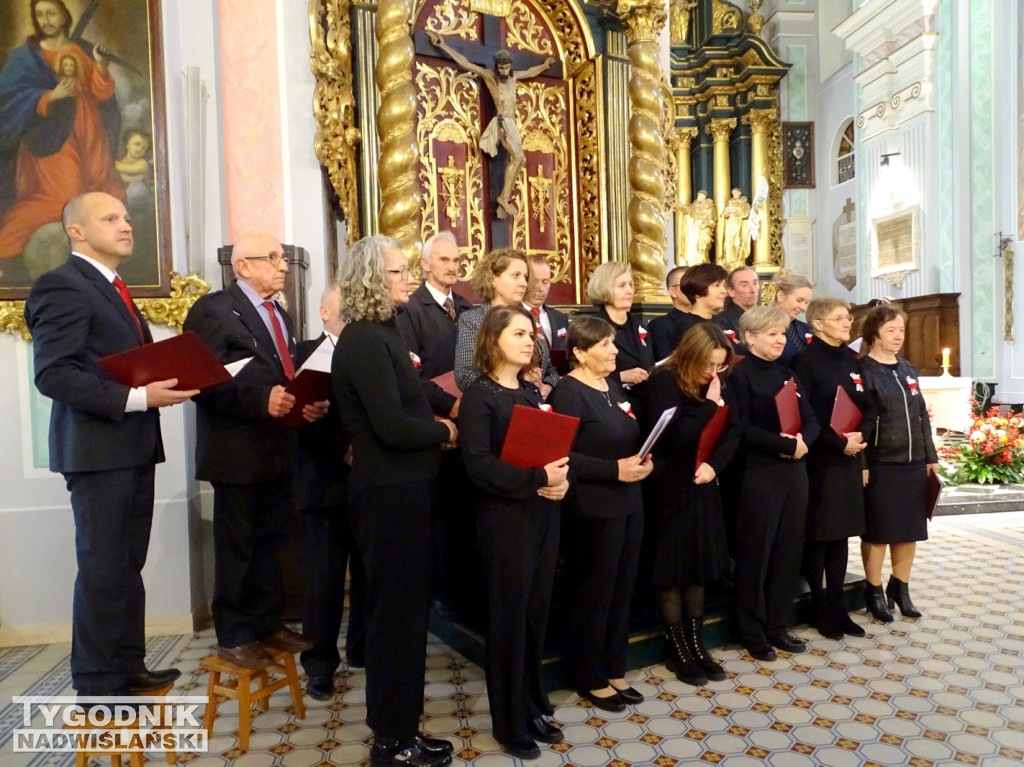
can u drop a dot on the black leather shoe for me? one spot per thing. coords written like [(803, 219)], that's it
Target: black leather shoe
[(847, 624), (434, 745), (612, 703), (630, 696), (152, 680), (898, 593), (762, 652), (544, 731), (391, 752), (874, 599), (786, 641), (320, 687), (524, 749)]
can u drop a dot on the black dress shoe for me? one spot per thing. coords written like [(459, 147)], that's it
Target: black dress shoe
[(320, 687), (786, 641), (848, 625), (630, 696), (544, 731), (152, 680), (611, 703), (434, 745), (523, 748), (392, 752), (762, 652)]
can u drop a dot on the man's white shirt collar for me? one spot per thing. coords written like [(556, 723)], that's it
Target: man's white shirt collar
[(437, 294)]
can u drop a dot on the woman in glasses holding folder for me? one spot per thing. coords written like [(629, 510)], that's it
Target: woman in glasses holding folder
[(773, 495), (517, 523), (835, 463), (900, 455), (686, 508), (604, 514)]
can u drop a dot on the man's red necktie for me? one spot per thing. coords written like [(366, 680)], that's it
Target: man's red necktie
[(280, 341), (126, 297), (541, 336)]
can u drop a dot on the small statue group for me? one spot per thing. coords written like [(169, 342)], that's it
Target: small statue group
[(701, 222)]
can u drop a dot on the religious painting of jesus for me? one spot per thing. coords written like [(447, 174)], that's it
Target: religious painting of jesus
[(81, 109)]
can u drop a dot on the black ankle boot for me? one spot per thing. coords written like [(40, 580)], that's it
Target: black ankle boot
[(825, 617), (693, 632), (875, 600), (679, 661), (899, 594)]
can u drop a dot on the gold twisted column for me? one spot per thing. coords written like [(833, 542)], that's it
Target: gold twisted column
[(762, 122), (401, 199), (720, 131), (643, 21), (681, 140)]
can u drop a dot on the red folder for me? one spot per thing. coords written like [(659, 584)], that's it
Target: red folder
[(447, 382), (788, 406), (560, 361), (535, 438), (184, 357), (307, 387), (846, 416), (709, 437), (934, 491)]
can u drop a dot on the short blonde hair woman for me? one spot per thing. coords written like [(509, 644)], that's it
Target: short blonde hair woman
[(611, 289), (792, 294)]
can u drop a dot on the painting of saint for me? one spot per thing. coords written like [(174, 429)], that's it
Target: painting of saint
[(75, 92)]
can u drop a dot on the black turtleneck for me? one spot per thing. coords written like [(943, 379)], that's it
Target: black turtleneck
[(821, 369)]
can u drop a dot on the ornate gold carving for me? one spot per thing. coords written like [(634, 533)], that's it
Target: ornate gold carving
[(337, 136), (756, 21), (643, 22), (170, 311), (452, 178), (590, 135), (452, 21), (774, 176), (401, 200), (572, 31), (720, 130), (761, 120), (450, 100), (768, 289), (540, 198), (524, 32), (491, 7), (724, 17)]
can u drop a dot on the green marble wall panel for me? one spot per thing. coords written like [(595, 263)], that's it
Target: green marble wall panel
[(944, 126)]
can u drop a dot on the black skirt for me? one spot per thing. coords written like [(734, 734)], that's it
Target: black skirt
[(691, 548), (896, 503), (835, 504)]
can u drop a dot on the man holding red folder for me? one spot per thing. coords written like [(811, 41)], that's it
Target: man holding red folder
[(247, 458), (104, 439)]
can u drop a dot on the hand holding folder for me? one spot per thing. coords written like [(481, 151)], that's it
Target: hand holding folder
[(846, 416), (536, 438), (788, 406), (709, 436), (184, 357), (311, 384), (934, 490)]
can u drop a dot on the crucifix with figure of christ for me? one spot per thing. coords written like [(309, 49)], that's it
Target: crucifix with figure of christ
[(501, 81)]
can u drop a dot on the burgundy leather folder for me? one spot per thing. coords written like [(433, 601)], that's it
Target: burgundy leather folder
[(846, 416), (709, 436), (184, 357), (535, 437), (788, 405)]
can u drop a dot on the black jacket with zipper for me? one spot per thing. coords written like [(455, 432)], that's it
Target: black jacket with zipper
[(903, 431)]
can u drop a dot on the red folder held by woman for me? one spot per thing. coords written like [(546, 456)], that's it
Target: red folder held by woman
[(846, 416), (788, 406), (535, 438)]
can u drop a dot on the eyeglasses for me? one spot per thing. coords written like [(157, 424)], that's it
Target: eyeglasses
[(712, 368), (271, 258), (403, 272), (842, 318)]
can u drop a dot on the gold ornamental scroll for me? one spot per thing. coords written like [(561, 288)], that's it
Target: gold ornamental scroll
[(681, 140), (720, 130), (762, 123), (401, 200), (334, 106), (643, 21)]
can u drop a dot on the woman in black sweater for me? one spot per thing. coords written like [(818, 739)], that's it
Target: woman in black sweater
[(517, 516), (773, 497), (835, 510), (704, 286), (396, 455), (604, 515), (792, 294), (691, 547)]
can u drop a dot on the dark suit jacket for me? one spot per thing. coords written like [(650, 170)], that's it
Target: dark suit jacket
[(237, 442), (320, 472), (77, 317), (559, 321), (663, 332), (430, 333)]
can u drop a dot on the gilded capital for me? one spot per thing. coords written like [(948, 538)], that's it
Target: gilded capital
[(761, 120), (680, 138), (643, 19), (721, 128)]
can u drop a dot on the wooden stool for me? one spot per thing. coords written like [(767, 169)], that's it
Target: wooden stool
[(135, 758), (240, 689)]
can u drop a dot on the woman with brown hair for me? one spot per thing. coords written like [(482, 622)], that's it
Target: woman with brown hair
[(704, 286), (517, 522), (603, 515), (900, 456), (690, 543)]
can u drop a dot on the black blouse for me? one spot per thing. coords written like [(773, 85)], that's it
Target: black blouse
[(635, 349), (606, 434)]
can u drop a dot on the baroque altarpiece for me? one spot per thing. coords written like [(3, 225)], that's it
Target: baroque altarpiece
[(613, 146)]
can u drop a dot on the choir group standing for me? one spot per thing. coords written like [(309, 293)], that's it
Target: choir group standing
[(780, 505)]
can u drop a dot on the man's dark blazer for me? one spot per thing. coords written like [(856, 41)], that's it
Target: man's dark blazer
[(559, 321), (430, 334), (663, 332), (320, 472), (237, 441), (76, 317)]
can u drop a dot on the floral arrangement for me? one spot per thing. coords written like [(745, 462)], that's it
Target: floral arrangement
[(992, 451)]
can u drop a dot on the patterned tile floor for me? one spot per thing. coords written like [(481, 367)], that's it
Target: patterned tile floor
[(947, 689)]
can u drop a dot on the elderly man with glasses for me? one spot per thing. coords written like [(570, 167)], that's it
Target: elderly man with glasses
[(245, 455)]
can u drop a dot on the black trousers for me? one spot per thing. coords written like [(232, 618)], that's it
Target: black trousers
[(249, 530), (329, 551), (113, 515), (769, 540), (602, 556), (392, 529), (519, 549)]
